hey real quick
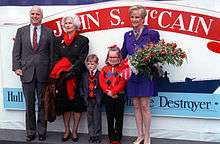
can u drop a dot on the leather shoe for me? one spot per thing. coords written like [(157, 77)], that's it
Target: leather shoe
[(30, 138), (139, 140), (75, 139), (147, 141), (115, 142), (42, 138), (97, 139), (66, 138), (91, 139)]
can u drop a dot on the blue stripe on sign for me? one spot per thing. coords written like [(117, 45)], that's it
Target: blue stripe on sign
[(48, 2), (192, 105)]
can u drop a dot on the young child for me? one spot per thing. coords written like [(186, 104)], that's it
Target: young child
[(113, 85), (92, 94)]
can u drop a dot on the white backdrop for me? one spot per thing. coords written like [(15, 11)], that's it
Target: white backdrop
[(164, 127)]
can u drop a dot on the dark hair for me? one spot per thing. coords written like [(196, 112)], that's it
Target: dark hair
[(92, 57), (117, 49)]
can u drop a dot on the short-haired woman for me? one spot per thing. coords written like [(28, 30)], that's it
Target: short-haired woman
[(75, 48), (140, 87)]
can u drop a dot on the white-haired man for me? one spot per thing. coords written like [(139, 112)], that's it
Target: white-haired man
[(32, 58)]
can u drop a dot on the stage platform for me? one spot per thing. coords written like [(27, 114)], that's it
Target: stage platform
[(9, 136)]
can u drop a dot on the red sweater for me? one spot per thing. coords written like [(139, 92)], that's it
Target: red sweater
[(110, 79)]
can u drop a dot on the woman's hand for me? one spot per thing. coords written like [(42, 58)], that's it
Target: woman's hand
[(115, 96), (109, 93), (69, 75)]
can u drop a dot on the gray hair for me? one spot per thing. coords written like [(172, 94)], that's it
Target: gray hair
[(76, 22), (38, 8), (138, 7)]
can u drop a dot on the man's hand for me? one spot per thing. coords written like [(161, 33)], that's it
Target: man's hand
[(19, 72)]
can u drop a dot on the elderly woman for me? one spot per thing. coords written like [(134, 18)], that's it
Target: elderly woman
[(73, 47), (140, 87)]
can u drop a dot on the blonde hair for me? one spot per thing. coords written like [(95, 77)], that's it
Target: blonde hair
[(138, 7), (76, 22)]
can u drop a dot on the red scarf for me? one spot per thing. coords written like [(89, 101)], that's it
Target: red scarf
[(64, 65), (68, 40)]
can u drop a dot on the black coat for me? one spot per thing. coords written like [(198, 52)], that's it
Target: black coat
[(77, 51)]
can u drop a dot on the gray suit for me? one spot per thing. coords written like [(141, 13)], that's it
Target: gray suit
[(35, 65)]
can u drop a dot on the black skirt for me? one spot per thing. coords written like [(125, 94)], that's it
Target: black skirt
[(63, 104)]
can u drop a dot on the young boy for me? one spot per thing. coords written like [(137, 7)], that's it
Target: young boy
[(92, 94)]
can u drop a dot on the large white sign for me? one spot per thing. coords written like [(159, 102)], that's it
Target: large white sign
[(194, 32)]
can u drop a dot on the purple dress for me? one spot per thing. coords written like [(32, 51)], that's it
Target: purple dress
[(139, 85)]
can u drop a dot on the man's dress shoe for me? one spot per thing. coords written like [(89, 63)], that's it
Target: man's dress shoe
[(42, 138), (30, 138)]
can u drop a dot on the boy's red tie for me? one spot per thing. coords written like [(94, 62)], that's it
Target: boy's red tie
[(92, 73)]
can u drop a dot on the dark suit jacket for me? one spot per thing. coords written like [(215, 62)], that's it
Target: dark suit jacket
[(84, 88), (25, 58)]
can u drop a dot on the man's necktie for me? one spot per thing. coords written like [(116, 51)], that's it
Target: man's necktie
[(92, 72), (35, 38)]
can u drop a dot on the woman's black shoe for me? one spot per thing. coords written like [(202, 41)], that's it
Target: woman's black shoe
[(66, 138), (75, 139)]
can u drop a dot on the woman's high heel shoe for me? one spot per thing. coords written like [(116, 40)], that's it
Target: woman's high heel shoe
[(75, 139), (139, 140), (147, 141), (66, 138)]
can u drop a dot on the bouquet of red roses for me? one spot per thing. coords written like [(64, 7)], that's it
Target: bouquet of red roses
[(143, 60)]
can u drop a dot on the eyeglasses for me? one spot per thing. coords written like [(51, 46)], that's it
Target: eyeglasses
[(113, 57)]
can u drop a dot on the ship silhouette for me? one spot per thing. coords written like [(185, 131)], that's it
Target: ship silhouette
[(187, 86)]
